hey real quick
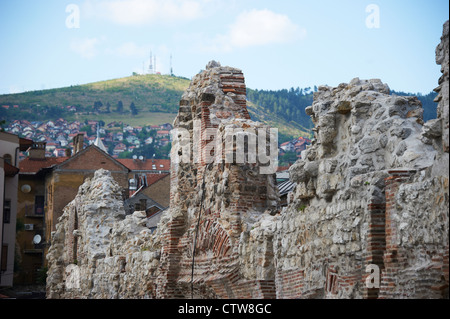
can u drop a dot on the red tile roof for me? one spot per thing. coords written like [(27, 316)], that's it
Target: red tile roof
[(32, 166), (146, 165), (10, 170), (153, 178)]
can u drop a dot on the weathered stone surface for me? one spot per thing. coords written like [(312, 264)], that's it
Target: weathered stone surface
[(442, 58), (96, 251), (219, 192), (383, 201), (372, 194)]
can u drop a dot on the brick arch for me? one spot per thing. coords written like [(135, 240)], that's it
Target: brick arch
[(212, 237), (199, 274)]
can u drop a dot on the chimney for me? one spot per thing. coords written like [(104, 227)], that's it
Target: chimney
[(78, 143), (37, 150)]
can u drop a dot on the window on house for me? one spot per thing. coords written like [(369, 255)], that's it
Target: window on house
[(8, 158), (39, 205), (142, 204), (7, 211), (4, 257)]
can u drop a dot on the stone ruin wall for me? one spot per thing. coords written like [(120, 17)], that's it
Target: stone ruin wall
[(117, 257), (99, 252), (227, 197), (372, 189)]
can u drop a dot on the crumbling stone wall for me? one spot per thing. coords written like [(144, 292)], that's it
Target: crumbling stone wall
[(368, 217), (417, 210), (97, 251), (333, 226), (371, 194), (216, 198), (203, 243), (442, 59)]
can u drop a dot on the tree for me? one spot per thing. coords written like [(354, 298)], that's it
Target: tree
[(97, 105), (287, 158), (119, 107), (2, 123), (3, 113), (133, 109)]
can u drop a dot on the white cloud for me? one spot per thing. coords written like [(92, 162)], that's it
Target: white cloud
[(259, 27), (141, 12), (256, 28), (85, 47)]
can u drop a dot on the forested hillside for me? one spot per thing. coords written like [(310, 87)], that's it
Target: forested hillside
[(154, 99), (287, 104)]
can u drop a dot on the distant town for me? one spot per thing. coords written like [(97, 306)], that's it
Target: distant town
[(120, 139)]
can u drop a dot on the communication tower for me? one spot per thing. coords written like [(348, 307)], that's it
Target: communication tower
[(150, 67)]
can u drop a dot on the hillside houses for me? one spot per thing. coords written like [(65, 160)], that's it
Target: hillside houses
[(295, 146), (120, 139), (116, 136), (163, 133)]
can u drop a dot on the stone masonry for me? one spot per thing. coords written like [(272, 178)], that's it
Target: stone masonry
[(368, 217), (200, 248), (214, 201), (371, 198)]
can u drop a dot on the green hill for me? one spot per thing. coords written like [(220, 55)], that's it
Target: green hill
[(135, 100), (149, 93), (154, 99)]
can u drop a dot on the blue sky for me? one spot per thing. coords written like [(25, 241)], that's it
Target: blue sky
[(278, 44)]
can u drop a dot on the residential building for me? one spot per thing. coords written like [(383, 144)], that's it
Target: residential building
[(119, 148), (162, 133), (49, 184), (31, 212), (149, 177), (63, 181), (149, 140), (287, 146), (10, 145)]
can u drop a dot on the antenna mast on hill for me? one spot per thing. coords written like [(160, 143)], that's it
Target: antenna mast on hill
[(150, 67), (171, 70)]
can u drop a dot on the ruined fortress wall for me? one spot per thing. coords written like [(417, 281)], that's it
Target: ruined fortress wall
[(218, 192), (368, 217), (372, 194), (97, 251), (215, 197), (417, 210)]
